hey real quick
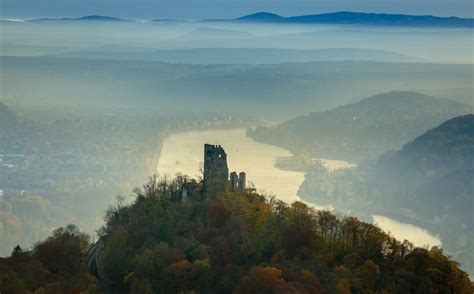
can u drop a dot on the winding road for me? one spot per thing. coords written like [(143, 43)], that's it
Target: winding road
[(94, 266)]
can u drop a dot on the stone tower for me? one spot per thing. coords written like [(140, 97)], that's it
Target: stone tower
[(234, 181), (238, 182), (215, 164), (242, 181)]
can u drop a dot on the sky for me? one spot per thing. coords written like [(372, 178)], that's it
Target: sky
[(201, 9)]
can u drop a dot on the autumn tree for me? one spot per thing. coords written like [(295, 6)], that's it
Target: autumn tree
[(264, 280)]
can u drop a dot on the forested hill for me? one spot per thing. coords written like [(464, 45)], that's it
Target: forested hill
[(444, 149), (363, 129), (435, 171), (431, 178), (360, 18), (205, 242)]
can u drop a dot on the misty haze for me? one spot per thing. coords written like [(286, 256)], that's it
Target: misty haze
[(261, 153)]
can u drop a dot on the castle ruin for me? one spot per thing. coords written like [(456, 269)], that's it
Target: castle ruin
[(215, 163), (217, 171), (238, 182)]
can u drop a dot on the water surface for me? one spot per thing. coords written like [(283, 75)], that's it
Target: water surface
[(416, 235)]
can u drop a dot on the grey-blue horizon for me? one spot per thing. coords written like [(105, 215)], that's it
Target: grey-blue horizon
[(202, 9)]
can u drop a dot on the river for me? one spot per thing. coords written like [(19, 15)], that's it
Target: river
[(184, 152)]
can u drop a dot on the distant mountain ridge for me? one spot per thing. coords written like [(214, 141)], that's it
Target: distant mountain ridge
[(342, 17), (92, 18), (263, 17), (360, 18)]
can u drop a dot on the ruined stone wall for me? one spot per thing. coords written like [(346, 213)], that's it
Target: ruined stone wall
[(215, 163)]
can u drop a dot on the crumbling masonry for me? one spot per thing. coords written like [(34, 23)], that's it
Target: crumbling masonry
[(217, 171)]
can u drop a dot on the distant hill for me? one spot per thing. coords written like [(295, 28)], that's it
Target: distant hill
[(442, 152), (88, 18), (357, 18), (262, 17), (363, 129), (444, 149), (342, 17), (101, 18), (437, 167)]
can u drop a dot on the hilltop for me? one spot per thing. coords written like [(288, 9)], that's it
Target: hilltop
[(87, 18), (340, 17), (363, 129), (435, 169), (359, 18), (450, 147), (262, 17), (228, 242)]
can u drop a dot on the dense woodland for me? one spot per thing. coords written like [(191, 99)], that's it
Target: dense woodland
[(432, 178), (364, 129), (229, 242), (427, 182), (443, 156)]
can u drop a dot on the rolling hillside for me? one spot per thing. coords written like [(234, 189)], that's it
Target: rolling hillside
[(439, 164), (363, 129), (432, 179)]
